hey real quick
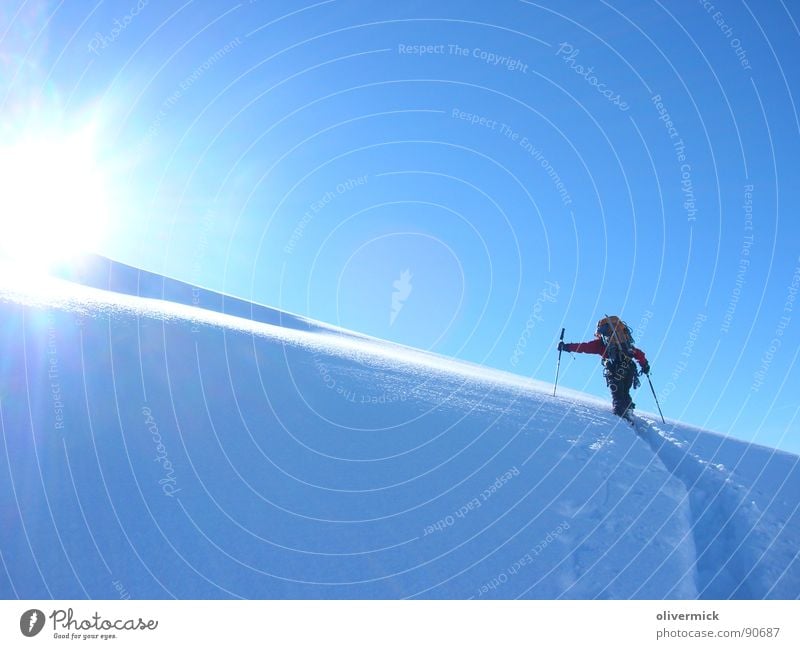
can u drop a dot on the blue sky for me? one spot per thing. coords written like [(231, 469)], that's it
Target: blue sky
[(531, 166)]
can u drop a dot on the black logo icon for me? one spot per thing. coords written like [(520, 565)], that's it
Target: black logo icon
[(31, 622)]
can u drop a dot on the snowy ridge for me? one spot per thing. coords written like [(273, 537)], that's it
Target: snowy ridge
[(185, 452), (168, 298)]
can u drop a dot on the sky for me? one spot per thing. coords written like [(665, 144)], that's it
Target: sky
[(462, 177)]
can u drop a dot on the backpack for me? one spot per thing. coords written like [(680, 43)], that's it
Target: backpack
[(616, 335)]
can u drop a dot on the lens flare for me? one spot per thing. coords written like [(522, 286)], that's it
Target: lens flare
[(53, 205)]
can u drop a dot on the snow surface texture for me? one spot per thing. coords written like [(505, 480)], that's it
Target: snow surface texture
[(152, 449)]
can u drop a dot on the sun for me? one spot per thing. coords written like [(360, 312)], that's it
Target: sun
[(53, 203)]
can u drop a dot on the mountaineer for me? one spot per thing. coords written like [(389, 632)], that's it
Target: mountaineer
[(614, 343)]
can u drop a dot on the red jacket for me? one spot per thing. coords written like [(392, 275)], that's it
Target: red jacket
[(598, 347)]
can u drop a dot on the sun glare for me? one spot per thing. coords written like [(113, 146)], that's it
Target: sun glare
[(52, 204)]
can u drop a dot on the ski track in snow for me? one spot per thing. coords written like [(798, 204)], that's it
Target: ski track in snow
[(309, 462), (732, 535)]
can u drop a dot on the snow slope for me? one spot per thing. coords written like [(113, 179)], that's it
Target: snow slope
[(153, 449)]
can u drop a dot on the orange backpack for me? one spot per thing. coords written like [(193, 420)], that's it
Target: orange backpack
[(615, 334)]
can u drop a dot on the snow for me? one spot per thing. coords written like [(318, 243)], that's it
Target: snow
[(155, 449)]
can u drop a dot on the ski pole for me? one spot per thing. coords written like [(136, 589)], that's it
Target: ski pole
[(655, 397), (558, 367)]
